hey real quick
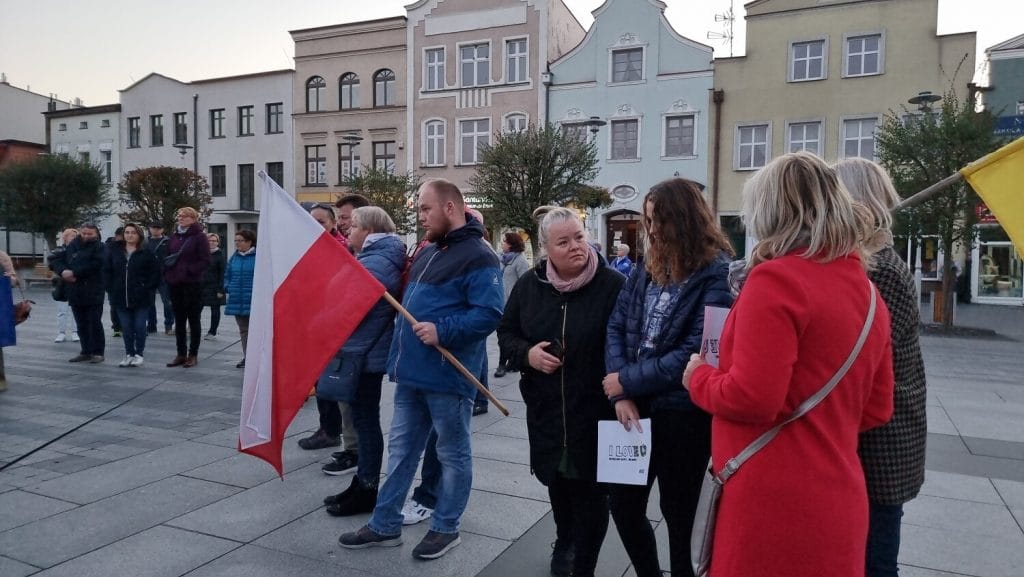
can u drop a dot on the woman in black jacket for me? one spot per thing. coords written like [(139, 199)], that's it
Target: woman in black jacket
[(213, 284), (554, 329), (132, 275)]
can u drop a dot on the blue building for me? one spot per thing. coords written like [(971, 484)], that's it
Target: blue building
[(650, 87)]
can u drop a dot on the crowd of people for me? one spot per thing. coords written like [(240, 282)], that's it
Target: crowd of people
[(594, 341)]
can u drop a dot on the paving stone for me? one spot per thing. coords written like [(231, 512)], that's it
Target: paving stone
[(501, 448), (967, 516), (962, 487), (994, 448), (507, 479), (11, 568), (508, 427), (103, 522), (19, 507), (69, 463), (1011, 492), (157, 552), (252, 561), (962, 552), (242, 470), (939, 421), (113, 478), (501, 516), (911, 571)]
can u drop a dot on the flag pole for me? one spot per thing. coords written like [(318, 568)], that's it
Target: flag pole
[(929, 192), (451, 358)]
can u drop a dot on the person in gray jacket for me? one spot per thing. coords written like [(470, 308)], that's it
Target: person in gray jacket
[(513, 266)]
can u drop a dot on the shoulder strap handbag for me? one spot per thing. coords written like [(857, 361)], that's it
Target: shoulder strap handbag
[(172, 259), (340, 378), (703, 534)]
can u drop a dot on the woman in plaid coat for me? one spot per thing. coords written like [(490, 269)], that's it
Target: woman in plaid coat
[(893, 454)]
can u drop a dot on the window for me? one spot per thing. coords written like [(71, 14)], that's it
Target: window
[(859, 138), (217, 123), (624, 139), (134, 130), (105, 123), (245, 116), (384, 156), (83, 157), (864, 55), (246, 187), (105, 161), (473, 135), (805, 136), (275, 114), (316, 165), (349, 88), (348, 161), (628, 65), (275, 170), (476, 64), (808, 61), (517, 61), (751, 146), (577, 130), (156, 130), (180, 128), (434, 135), (384, 88), (62, 127), (679, 132), (515, 122), (218, 180), (434, 59), (1020, 108), (83, 125), (315, 90)]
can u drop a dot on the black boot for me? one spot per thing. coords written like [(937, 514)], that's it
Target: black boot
[(562, 558), (358, 498)]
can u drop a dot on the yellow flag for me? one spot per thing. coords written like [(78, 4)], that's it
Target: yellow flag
[(998, 178)]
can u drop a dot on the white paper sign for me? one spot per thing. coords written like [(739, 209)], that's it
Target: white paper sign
[(714, 322), (623, 456)]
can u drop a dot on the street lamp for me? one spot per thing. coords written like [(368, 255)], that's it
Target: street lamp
[(183, 150), (352, 140), (924, 101), (594, 123)]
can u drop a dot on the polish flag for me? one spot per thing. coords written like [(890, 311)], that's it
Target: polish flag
[(308, 295)]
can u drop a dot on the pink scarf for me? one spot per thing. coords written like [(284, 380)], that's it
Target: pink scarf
[(567, 286)]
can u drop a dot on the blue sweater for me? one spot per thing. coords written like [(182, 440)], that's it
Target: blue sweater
[(238, 278), (456, 284), (656, 378), (385, 260)]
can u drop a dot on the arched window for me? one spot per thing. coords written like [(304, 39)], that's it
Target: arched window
[(434, 139), (349, 89), (315, 88), (384, 88), (515, 122)]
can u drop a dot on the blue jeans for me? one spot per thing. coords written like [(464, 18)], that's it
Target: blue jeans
[(165, 295), (133, 329), (366, 419), (416, 412), (883, 540), (426, 492)]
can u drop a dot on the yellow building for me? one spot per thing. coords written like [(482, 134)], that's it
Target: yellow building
[(819, 75)]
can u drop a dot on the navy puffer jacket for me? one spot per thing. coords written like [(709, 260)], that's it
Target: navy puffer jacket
[(385, 260), (655, 380)]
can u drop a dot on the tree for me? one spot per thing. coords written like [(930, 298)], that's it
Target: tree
[(49, 193), (535, 167), (155, 193), (392, 192), (919, 150)]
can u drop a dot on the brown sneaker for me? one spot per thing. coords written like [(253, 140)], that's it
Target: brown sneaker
[(190, 362), (178, 361)]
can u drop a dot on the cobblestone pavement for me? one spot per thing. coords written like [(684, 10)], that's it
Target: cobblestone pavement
[(150, 483)]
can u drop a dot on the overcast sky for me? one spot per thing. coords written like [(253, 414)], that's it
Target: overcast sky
[(91, 49)]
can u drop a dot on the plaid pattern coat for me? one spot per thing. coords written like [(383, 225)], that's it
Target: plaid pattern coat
[(893, 454)]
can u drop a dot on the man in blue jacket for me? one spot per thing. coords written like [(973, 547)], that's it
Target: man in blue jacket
[(455, 293)]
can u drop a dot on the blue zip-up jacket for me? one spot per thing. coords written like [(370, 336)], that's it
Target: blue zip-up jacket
[(454, 283), (657, 377), (238, 278), (385, 260)]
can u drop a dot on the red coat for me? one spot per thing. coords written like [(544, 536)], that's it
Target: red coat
[(798, 507)]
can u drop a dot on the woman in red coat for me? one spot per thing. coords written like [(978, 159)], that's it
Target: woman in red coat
[(799, 506)]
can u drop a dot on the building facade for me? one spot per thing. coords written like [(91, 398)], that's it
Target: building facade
[(225, 129), (820, 76), (650, 86), (475, 69), (349, 104)]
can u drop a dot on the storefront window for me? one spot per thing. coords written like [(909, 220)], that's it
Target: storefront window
[(921, 252), (1000, 269)]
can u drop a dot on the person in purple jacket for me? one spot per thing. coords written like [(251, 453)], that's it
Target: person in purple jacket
[(188, 255)]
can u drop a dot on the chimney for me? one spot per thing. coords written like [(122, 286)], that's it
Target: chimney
[(3, 78)]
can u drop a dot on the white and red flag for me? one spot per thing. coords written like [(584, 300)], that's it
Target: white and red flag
[(308, 295)]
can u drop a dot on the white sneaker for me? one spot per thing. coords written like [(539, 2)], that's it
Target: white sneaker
[(210, 337), (127, 361), (413, 512), (136, 361), (61, 337), (74, 337)]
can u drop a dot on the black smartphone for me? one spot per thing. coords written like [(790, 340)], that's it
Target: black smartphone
[(555, 349)]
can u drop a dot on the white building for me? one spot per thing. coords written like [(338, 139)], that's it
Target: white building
[(226, 129)]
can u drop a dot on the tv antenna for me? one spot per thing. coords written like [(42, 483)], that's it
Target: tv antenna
[(727, 19)]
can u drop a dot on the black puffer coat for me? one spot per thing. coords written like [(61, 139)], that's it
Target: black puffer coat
[(85, 260), (131, 279), (213, 280), (562, 409)]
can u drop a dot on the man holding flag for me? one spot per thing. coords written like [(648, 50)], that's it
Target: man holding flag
[(456, 294)]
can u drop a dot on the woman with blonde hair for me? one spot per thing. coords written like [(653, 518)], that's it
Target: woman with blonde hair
[(893, 455), (799, 506)]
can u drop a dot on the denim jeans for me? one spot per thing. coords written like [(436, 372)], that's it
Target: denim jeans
[(133, 329), (165, 296), (426, 492), (416, 412), (366, 414), (89, 319), (883, 540)]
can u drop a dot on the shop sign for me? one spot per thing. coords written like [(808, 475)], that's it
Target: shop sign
[(1009, 126), (984, 215)]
